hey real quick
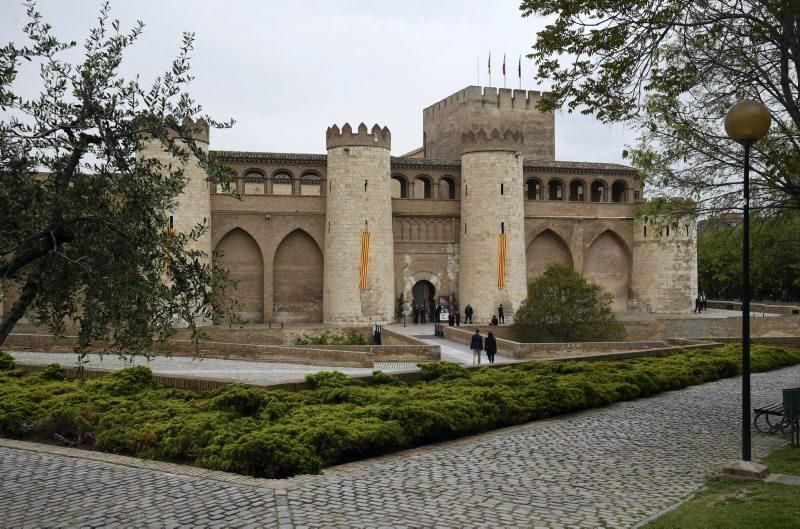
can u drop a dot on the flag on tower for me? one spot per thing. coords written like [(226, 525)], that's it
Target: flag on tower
[(489, 64), (519, 67), (504, 64)]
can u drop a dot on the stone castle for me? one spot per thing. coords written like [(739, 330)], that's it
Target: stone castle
[(434, 220)]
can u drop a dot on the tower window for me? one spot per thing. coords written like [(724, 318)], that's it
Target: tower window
[(465, 228), (667, 231), (501, 188), (502, 227), (171, 222), (645, 231)]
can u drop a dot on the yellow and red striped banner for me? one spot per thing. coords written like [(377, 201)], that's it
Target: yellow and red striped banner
[(501, 264), (364, 268)]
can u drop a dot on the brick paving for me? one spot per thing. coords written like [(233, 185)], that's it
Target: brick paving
[(609, 467)]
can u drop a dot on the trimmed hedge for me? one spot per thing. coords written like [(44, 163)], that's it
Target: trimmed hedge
[(278, 434)]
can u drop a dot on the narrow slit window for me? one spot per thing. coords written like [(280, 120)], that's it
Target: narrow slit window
[(329, 226), (645, 231), (466, 190), (465, 228), (502, 227), (667, 231), (502, 188)]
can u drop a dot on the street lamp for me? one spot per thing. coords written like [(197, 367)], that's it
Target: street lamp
[(746, 123)]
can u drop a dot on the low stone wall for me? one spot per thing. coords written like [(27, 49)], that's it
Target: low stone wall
[(791, 341), (401, 348), (689, 327), (755, 307), (525, 351)]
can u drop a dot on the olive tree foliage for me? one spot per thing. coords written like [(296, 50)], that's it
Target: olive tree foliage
[(671, 69), (563, 307), (85, 236)]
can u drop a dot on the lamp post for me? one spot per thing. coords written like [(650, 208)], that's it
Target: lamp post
[(746, 122)]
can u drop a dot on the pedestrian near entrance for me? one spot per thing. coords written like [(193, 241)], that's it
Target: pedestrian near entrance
[(468, 314), (477, 346), (490, 345), (698, 305), (437, 313), (415, 312), (451, 320), (458, 319), (422, 314), (501, 313)]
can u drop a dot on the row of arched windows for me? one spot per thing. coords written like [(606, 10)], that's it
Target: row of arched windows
[(577, 191), (423, 186), (280, 182)]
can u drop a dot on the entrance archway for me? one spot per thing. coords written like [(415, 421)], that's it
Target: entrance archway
[(423, 293)]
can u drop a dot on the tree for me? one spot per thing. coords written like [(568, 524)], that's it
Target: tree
[(563, 307), (775, 261), (672, 69), (85, 234)]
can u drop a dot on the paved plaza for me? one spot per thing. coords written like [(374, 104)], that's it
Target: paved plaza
[(609, 467)]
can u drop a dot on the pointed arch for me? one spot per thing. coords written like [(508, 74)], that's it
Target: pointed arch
[(239, 252), (608, 264), (546, 248), (297, 273)]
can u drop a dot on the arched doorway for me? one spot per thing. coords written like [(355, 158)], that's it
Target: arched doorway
[(240, 254), (297, 272), (423, 293)]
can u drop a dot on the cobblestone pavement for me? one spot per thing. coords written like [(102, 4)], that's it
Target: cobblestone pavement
[(239, 370), (609, 467)]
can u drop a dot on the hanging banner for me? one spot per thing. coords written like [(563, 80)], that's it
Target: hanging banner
[(501, 264), (364, 268)]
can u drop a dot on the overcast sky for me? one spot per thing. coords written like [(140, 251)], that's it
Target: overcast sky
[(285, 71)]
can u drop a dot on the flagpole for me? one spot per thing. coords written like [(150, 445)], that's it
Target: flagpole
[(478, 69)]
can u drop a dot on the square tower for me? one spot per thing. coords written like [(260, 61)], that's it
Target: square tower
[(488, 108)]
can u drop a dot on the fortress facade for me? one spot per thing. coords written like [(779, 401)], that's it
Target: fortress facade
[(357, 236)]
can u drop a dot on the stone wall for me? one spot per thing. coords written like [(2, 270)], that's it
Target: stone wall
[(664, 267), (359, 199), (478, 107)]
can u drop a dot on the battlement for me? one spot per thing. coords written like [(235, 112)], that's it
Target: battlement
[(491, 141), (198, 129), (378, 137), (486, 96)]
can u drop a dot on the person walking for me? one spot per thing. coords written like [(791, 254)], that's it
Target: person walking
[(501, 313), (477, 346), (415, 311), (422, 314), (468, 314), (490, 345), (437, 313), (697, 305), (704, 299), (451, 320), (458, 319)]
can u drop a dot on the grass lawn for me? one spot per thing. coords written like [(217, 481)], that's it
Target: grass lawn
[(279, 433), (784, 461), (726, 505)]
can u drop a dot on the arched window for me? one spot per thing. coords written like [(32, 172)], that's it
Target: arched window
[(310, 184), (399, 186), (619, 192), (555, 190), (533, 189), (447, 188), (282, 183), (598, 191), (422, 187), (576, 190), (254, 183)]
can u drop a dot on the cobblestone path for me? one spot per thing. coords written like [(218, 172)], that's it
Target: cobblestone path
[(609, 467)]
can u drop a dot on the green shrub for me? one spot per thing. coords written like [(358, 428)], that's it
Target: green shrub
[(52, 372), (279, 433), (562, 306), (6, 361), (326, 337)]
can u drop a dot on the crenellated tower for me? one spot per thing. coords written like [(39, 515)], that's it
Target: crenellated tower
[(491, 212), (194, 203), (359, 243), (664, 271)]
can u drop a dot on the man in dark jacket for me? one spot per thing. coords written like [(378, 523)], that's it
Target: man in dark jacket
[(491, 347), (501, 313), (477, 346), (437, 313), (458, 319), (468, 314), (451, 320)]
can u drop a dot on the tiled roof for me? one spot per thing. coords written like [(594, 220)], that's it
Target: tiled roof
[(274, 157), (417, 163)]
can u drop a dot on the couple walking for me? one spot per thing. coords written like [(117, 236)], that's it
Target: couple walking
[(478, 344)]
